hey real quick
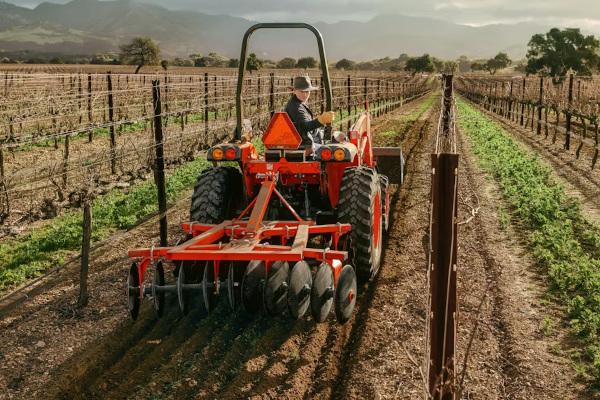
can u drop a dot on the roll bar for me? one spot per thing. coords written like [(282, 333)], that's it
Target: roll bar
[(243, 62)]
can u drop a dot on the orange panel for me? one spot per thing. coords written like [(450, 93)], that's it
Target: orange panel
[(281, 133)]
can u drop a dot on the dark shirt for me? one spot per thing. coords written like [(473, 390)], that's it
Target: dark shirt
[(303, 119)]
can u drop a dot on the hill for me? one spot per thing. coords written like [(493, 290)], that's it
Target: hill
[(89, 26)]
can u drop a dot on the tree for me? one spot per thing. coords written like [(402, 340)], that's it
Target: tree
[(286, 63), (164, 64), (403, 57), (560, 51), (56, 60), (439, 64), (253, 63), (140, 51), (500, 61), (345, 64), (366, 66), (478, 67), (233, 63), (420, 64), (307, 62), (217, 60), (201, 62), (449, 67), (464, 65)]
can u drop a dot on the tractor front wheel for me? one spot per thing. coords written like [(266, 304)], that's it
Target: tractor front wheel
[(360, 205)]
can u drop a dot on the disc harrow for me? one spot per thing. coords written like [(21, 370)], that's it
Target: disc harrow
[(212, 263)]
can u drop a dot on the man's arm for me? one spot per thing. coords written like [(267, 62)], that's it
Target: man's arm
[(302, 119), (305, 122)]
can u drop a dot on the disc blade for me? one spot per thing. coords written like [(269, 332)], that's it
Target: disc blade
[(274, 295), (158, 298), (345, 295), (208, 287), (298, 291), (254, 276), (182, 295), (133, 291), (321, 295), (234, 288)]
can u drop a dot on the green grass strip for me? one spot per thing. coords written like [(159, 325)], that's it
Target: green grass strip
[(45, 248), (564, 243)]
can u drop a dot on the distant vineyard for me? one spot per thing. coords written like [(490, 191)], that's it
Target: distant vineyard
[(570, 109), (59, 132)]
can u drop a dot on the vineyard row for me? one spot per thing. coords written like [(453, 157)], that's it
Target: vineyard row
[(111, 143)]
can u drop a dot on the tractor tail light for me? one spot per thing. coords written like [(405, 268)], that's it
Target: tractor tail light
[(339, 154), (326, 154), (217, 154), (230, 153)]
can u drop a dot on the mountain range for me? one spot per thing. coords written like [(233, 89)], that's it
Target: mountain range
[(93, 26)]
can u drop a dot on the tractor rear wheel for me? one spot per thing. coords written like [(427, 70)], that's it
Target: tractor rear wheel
[(360, 205), (217, 194)]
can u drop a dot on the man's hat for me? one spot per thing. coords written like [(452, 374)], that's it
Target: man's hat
[(303, 83)]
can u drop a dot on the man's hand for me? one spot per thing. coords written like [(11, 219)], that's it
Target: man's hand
[(326, 118)]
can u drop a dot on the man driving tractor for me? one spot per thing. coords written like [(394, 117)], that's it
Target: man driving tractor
[(302, 116)]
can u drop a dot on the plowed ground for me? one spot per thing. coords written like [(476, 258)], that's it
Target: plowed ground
[(49, 349)]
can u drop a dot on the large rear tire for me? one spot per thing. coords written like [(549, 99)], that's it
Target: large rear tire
[(360, 205), (217, 195)]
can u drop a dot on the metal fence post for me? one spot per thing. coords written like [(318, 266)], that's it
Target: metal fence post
[(159, 170)]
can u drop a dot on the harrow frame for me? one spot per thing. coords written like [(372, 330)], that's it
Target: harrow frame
[(243, 240)]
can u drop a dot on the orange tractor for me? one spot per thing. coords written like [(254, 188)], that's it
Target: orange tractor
[(293, 228)]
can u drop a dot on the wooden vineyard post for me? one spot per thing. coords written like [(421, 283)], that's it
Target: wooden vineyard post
[(215, 99), (568, 115), (90, 110), (539, 124), (510, 102), (159, 167), (523, 102), (595, 159), (111, 118), (80, 94), (66, 160), (258, 105), (4, 203), (349, 103), (166, 100), (205, 108), (366, 93), (378, 97), (272, 95), (322, 99), (447, 103), (442, 270), (85, 249)]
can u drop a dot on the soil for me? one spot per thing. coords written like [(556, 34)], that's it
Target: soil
[(52, 350)]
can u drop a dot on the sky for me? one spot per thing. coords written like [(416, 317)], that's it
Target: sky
[(584, 14)]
